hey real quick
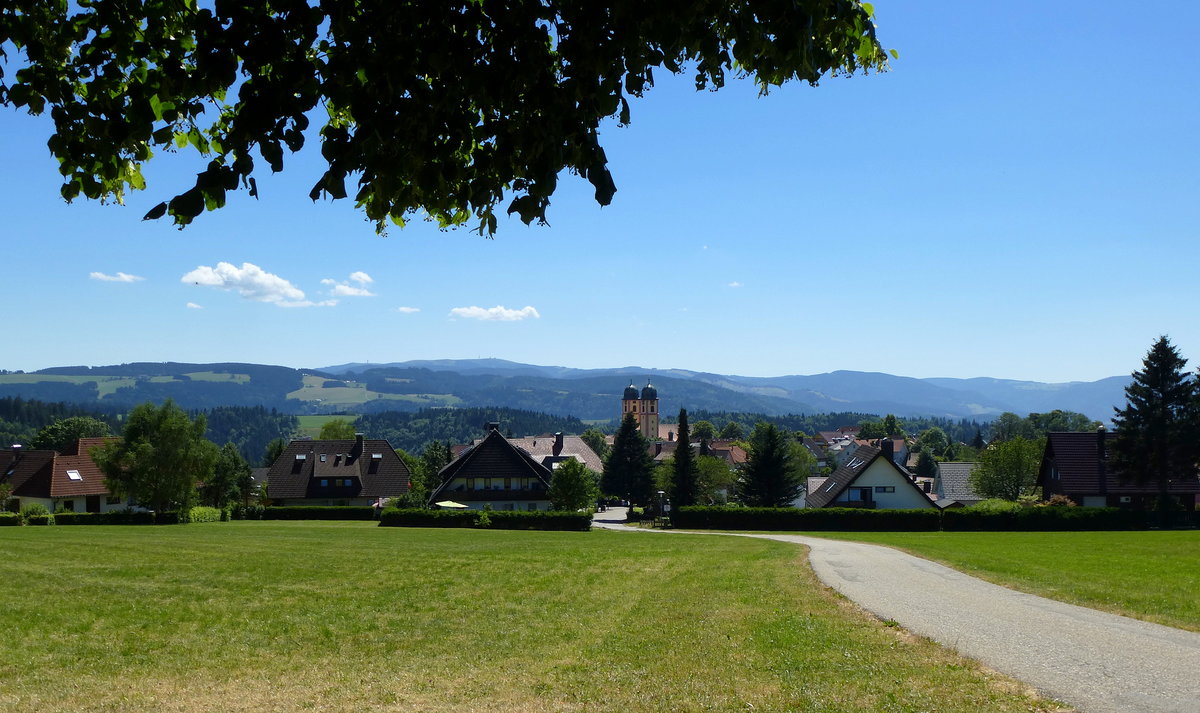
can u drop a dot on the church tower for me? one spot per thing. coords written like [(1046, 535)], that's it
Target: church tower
[(644, 407)]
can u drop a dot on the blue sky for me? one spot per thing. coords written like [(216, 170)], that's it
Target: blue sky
[(1017, 198)]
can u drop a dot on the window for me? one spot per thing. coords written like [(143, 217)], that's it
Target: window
[(470, 483), (532, 506), (74, 475), (885, 488), (113, 500), (324, 482), (349, 482), (323, 457), (508, 483), (68, 505), (301, 456)]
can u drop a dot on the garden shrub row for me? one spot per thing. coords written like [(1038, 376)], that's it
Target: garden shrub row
[(206, 514), (317, 512), (491, 519), (953, 520), (113, 517), (813, 519), (9, 518)]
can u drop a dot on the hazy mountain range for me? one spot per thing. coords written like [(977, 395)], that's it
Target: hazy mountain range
[(585, 393)]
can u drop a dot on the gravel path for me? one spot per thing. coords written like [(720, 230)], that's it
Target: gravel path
[(1097, 662)]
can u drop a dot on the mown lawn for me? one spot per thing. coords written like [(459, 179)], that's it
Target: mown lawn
[(1148, 575), (300, 616)]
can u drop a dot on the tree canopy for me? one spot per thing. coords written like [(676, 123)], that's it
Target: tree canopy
[(337, 429), (770, 477), (1008, 469), (684, 474), (160, 457), (573, 487), (629, 469), (445, 110), (1158, 431), (59, 435)]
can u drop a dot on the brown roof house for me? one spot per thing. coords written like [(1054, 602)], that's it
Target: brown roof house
[(69, 480), (1075, 464), (870, 479), (337, 472), (495, 471)]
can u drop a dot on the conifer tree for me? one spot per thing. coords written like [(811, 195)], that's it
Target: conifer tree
[(1158, 431), (770, 477), (629, 469), (685, 475)]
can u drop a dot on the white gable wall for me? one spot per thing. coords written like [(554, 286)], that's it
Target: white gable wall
[(881, 475)]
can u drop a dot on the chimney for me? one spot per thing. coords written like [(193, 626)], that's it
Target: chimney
[(492, 426), (358, 446), (888, 447), (558, 443), (16, 449)]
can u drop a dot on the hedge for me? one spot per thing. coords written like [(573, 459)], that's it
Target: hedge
[(1036, 519), (9, 518), (811, 519), (495, 519), (113, 517), (317, 512), (1031, 519), (39, 520), (246, 512)]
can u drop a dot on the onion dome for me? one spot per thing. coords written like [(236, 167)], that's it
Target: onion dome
[(649, 392), (631, 392)]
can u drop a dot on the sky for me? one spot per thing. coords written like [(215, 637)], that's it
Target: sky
[(1017, 198)]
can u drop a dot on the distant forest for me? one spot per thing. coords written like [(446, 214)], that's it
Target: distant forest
[(411, 432)]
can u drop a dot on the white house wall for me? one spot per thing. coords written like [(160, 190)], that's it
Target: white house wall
[(880, 474)]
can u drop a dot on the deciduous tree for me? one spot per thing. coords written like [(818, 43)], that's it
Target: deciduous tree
[(160, 457), (1008, 469), (230, 480), (597, 441), (62, 433), (732, 431), (573, 487), (704, 430), (440, 109), (338, 429)]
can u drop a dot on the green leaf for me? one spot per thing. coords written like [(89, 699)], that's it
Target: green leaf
[(895, 54), (156, 212)]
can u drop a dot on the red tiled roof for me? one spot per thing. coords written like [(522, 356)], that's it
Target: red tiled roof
[(44, 473), (1082, 469)]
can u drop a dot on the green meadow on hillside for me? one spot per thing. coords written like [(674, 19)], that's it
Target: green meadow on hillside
[(337, 616)]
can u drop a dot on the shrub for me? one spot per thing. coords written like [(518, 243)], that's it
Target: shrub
[(996, 505), (497, 519), (47, 519), (319, 512), (204, 514), (246, 512), (1060, 500), (169, 518), (32, 509), (9, 519)]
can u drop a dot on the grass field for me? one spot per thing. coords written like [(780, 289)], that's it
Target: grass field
[(1148, 575), (355, 394), (299, 616), (105, 385)]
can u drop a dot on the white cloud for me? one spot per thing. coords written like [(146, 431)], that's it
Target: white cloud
[(119, 277), (193, 305), (253, 283), (735, 283), (345, 289), (408, 310), (495, 314)]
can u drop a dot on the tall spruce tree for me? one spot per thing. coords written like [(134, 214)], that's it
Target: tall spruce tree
[(769, 478), (629, 469), (685, 475), (1158, 431)]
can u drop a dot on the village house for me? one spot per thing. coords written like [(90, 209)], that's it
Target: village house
[(337, 472), (69, 481), (952, 484), (495, 471), (1075, 464), (870, 479)]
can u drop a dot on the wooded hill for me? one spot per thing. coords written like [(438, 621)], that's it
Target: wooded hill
[(588, 394)]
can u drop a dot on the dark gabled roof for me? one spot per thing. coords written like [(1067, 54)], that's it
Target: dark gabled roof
[(384, 477), (1083, 467), (954, 479), (493, 457), (48, 474), (841, 479)]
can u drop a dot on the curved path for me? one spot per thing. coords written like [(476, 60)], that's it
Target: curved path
[(1097, 662)]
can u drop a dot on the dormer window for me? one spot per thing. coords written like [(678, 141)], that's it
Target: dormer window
[(323, 457)]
